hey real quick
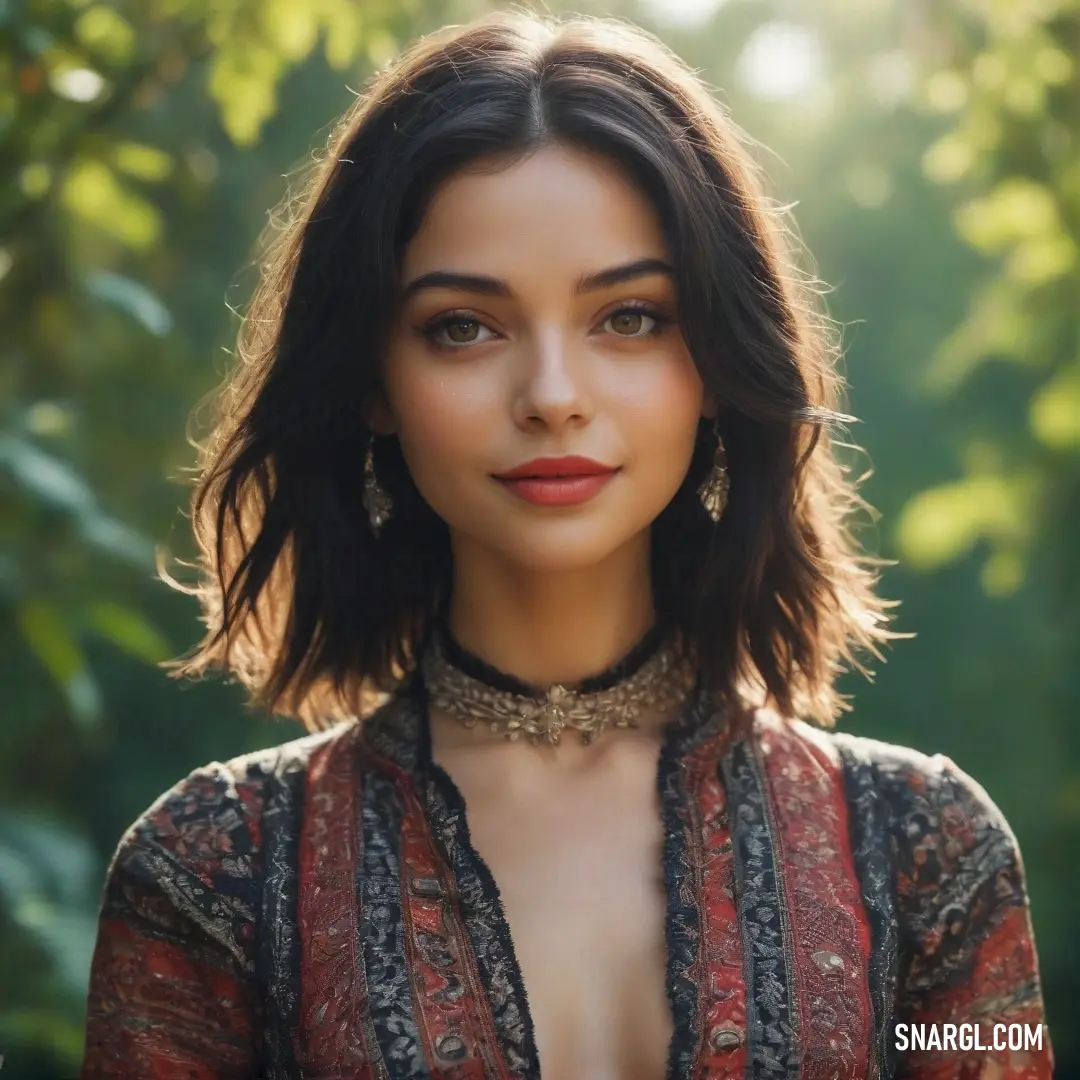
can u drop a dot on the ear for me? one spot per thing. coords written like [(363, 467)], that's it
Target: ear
[(710, 406), (377, 413)]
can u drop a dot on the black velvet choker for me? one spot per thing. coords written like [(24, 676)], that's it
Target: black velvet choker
[(481, 670)]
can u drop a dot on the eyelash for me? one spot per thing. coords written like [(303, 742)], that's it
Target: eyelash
[(632, 307)]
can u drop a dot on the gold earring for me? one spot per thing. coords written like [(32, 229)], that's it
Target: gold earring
[(714, 489), (377, 502)]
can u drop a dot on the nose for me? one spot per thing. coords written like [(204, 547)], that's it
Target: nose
[(553, 381)]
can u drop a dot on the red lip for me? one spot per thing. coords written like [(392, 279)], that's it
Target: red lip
[(564, 466)]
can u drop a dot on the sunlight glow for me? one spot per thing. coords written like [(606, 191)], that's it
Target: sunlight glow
[(78, 84), (685, 14), (780, 61)]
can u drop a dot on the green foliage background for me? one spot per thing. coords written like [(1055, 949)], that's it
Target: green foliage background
[(936, 166)]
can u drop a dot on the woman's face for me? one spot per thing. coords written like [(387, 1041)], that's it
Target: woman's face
[(534, 360)]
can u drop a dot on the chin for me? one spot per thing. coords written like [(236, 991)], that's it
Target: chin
[(544, 541), (565, 546)]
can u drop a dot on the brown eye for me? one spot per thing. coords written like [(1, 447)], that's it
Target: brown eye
[(456, 331), (462, 331), (632, 323), (627, 322)]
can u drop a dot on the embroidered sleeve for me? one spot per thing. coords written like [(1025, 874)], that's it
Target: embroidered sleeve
[(967, 938), (171, 987)]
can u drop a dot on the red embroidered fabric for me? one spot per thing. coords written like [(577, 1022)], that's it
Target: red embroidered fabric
[(316, 910)]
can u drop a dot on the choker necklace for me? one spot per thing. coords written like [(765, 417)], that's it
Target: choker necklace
[(651, 676)]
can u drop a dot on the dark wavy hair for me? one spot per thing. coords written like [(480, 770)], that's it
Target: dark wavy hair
[(317, 616)]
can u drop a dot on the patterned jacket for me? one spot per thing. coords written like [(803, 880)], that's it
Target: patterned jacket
[(317, 911)]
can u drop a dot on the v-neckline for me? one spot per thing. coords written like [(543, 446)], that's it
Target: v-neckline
[(485, 916)]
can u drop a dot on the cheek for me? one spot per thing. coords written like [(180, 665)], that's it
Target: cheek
[(664, 408), (441, 416)]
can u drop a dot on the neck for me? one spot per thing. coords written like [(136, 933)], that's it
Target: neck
[(551, 627)]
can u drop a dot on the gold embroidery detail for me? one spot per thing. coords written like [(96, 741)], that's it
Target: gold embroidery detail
[(661, 683)]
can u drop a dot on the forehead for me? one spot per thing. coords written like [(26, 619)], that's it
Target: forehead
[(559, 209)]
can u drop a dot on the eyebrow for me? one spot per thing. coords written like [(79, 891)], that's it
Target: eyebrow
[(490, 286)]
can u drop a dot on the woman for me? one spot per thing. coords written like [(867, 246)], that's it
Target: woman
[(531, 426)]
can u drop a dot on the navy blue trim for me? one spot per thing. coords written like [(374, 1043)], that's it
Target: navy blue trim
[(481, 904), (869, 827), (701, 719), (278, 955), (382, 931), (771, 1017)]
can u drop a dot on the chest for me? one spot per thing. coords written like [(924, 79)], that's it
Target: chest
[(581, 883)]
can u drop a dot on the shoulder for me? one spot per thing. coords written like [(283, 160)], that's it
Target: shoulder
[(224, 800), (923, 791), (948, 840), (894, 771), (209, 825), (936, 816), (887, 760), (190, 867)]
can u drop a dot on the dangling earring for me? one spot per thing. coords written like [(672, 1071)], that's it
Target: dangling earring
[(714, 489), (377, 502)]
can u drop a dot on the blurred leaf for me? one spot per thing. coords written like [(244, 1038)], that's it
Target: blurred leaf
[(57, 862), (1055, 411), (35, 179), (133, 297), (117, 539), (1041, 260), (47, 477), (46, 632), (53, 481), (290, 27), (107, 32), (1017, 209), (380, 47), (129, 630), (947, 91), (344, 33), (943, 523), (92, 192), (1054, 66), (1025, 96), (45, 1030), (998, 325), (142, 161), (46, 883), (243, 80), (48, 418), (1003, 573), (949, 159)]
